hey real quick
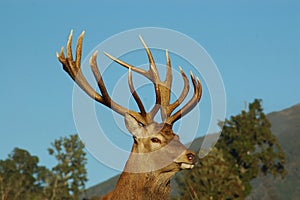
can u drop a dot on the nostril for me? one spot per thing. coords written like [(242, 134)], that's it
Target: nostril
[(190, 156)]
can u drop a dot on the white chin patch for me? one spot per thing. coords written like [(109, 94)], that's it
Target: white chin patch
[(186, 166)]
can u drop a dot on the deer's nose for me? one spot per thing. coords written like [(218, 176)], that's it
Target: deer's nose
[(192, 157)]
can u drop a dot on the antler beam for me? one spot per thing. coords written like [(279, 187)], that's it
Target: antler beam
[(162, 88)]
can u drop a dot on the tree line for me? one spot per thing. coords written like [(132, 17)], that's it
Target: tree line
[(21, 176)]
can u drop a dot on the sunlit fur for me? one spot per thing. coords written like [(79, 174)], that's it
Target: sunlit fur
[(156, 169)]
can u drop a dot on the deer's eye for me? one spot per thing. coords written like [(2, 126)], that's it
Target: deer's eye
[(155, 140)]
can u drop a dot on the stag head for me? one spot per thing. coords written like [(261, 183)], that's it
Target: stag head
[(156, 150)]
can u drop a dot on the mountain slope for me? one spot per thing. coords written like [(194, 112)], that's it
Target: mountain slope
[(286, 126)]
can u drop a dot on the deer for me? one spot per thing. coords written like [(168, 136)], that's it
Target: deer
[(157, 153)]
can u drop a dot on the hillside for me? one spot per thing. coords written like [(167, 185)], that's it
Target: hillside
[(102, 188), (286, 126)]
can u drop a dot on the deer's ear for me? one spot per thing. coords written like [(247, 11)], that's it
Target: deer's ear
[(132, 125)]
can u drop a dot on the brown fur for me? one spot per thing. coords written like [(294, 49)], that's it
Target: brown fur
[(151, 184)]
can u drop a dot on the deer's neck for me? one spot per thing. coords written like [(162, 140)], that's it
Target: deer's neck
[(142, 186), (148, 185)]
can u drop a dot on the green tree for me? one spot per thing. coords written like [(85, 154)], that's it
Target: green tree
[(21, 176), (211, 178), (245, 150), (68, 177), (250, 147)]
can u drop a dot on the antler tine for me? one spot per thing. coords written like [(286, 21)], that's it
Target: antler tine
[(124, 64), (61, 57), (185, 91), (73, 68), (158, 100), (98, 77), (191, 104), (69, 46), (200, 89), (61, 54), (149, 54), (135, 95), (79, 49), (165, 89), (169, 75)]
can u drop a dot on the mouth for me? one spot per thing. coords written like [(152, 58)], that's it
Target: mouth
[(186, 166)]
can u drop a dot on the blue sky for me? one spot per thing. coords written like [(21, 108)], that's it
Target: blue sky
[(256, 46)]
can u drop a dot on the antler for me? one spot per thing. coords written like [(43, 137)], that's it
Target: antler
[(72, 67), (162, 88)]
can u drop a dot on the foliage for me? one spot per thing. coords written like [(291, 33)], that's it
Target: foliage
[(210, 179), (285, 125), (21, 178), (250, 147), (69, 175), (246, 150)]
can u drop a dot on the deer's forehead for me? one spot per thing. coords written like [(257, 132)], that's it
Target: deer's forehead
[(162, 129)]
